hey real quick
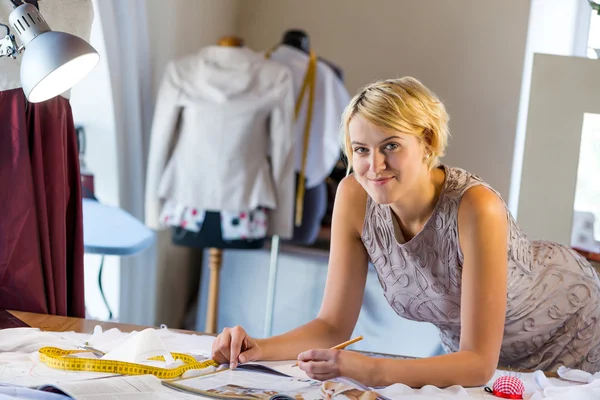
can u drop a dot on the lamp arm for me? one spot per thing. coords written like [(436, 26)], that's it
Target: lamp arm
[(8, 44), (32, 2), (16, 3)]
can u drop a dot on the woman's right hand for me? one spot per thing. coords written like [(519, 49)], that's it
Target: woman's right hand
[(234, 345)]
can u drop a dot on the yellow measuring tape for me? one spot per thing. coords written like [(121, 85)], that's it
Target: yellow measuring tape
[(310, 79), (59, 359), (309, 83)]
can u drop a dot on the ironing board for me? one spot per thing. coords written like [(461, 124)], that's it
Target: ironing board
[(109, 230)]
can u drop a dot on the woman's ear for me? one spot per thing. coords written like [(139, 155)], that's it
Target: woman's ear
[(427, 137)]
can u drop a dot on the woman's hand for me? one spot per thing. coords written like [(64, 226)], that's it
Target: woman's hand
[(328, 364), (234, 345)]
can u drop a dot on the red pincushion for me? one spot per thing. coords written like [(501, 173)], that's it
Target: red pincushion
[(507, 387)]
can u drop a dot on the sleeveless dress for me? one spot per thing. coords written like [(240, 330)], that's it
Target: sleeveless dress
[(552, 315)]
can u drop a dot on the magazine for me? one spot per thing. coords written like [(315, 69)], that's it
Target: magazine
[(260, 382), (122, 387)]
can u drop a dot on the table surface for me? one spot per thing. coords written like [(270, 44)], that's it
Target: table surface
[(54, 323)]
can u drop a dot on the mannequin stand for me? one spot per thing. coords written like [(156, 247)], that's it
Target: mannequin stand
[(214, 262)]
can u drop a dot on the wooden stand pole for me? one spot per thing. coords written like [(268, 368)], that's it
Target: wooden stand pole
[(214, 263)]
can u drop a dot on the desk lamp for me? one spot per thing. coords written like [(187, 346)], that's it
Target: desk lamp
[(53, 61)]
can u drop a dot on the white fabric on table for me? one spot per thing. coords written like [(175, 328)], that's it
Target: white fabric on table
[(20, 365)]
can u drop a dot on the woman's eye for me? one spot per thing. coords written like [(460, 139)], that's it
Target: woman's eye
[(391, 146), (360, 150)]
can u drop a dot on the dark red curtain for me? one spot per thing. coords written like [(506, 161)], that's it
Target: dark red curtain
[(41, 224)]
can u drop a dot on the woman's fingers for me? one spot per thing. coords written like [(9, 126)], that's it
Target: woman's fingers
[(317, 367), (318, 370), (316, 355), (237, 339), (320, 364), (221, 347)]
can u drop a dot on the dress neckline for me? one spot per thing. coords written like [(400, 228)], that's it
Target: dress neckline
[(395, 224)]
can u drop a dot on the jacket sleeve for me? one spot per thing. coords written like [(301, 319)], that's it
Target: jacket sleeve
[(281, 220), (164, 123), (335, 101)]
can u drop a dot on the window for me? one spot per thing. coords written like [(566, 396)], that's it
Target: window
[(593, 46), (586, 221)]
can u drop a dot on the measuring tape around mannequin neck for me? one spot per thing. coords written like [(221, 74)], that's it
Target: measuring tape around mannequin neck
[(60, 359), (310, 79)]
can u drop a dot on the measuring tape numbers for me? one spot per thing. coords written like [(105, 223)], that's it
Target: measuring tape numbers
[(59, 359)]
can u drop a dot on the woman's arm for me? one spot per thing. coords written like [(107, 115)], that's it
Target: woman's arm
[(344, 289), (483, 229)]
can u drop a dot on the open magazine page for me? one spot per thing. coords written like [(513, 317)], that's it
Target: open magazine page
[(284, 368), (118, 388), (240, 384)]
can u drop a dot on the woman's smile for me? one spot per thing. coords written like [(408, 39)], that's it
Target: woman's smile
[(381, 181)]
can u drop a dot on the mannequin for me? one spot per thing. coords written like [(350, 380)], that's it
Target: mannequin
[(227, 113), (317, 195), (41, 240), (211, 237), (299, 39)]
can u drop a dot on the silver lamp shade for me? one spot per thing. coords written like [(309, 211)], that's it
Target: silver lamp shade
[(53, 62)]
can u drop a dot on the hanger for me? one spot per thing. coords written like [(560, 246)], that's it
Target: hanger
[(231, 41)]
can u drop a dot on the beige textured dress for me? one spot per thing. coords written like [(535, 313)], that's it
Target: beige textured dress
[(552, 315)]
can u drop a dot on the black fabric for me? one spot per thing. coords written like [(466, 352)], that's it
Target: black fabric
[(211, 236), (315, 207)]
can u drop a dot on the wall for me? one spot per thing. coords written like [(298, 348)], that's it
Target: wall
[(562, 90), (182, 27), (179, 28), (470, 52)]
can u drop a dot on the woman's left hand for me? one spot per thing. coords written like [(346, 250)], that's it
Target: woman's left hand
[(328, 364)]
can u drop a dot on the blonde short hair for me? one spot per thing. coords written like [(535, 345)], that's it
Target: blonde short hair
[(402, 105)]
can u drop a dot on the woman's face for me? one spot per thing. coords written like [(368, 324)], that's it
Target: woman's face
[(386, 164)]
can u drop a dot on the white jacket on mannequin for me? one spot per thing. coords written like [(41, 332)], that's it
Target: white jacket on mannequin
[(331, 97), (222, 137)]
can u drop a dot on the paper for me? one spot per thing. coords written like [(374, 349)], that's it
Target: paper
[(121, 388), (283, 367), (19, 361), (11, 392), (140, 347), (231, 384), (174, 342), (404, 392)]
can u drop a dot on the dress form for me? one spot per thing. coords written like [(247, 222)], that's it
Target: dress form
[(316, 199), (216, 253), (299, 39)]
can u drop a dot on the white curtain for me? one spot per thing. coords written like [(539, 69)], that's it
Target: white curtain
[(125, 28)]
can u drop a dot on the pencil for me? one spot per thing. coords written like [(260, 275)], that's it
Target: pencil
[(347, 343), (343, 345)]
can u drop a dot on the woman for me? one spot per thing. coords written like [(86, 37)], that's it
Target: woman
[(446, 250)]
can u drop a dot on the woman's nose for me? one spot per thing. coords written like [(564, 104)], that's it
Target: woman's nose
[(377, 162)]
